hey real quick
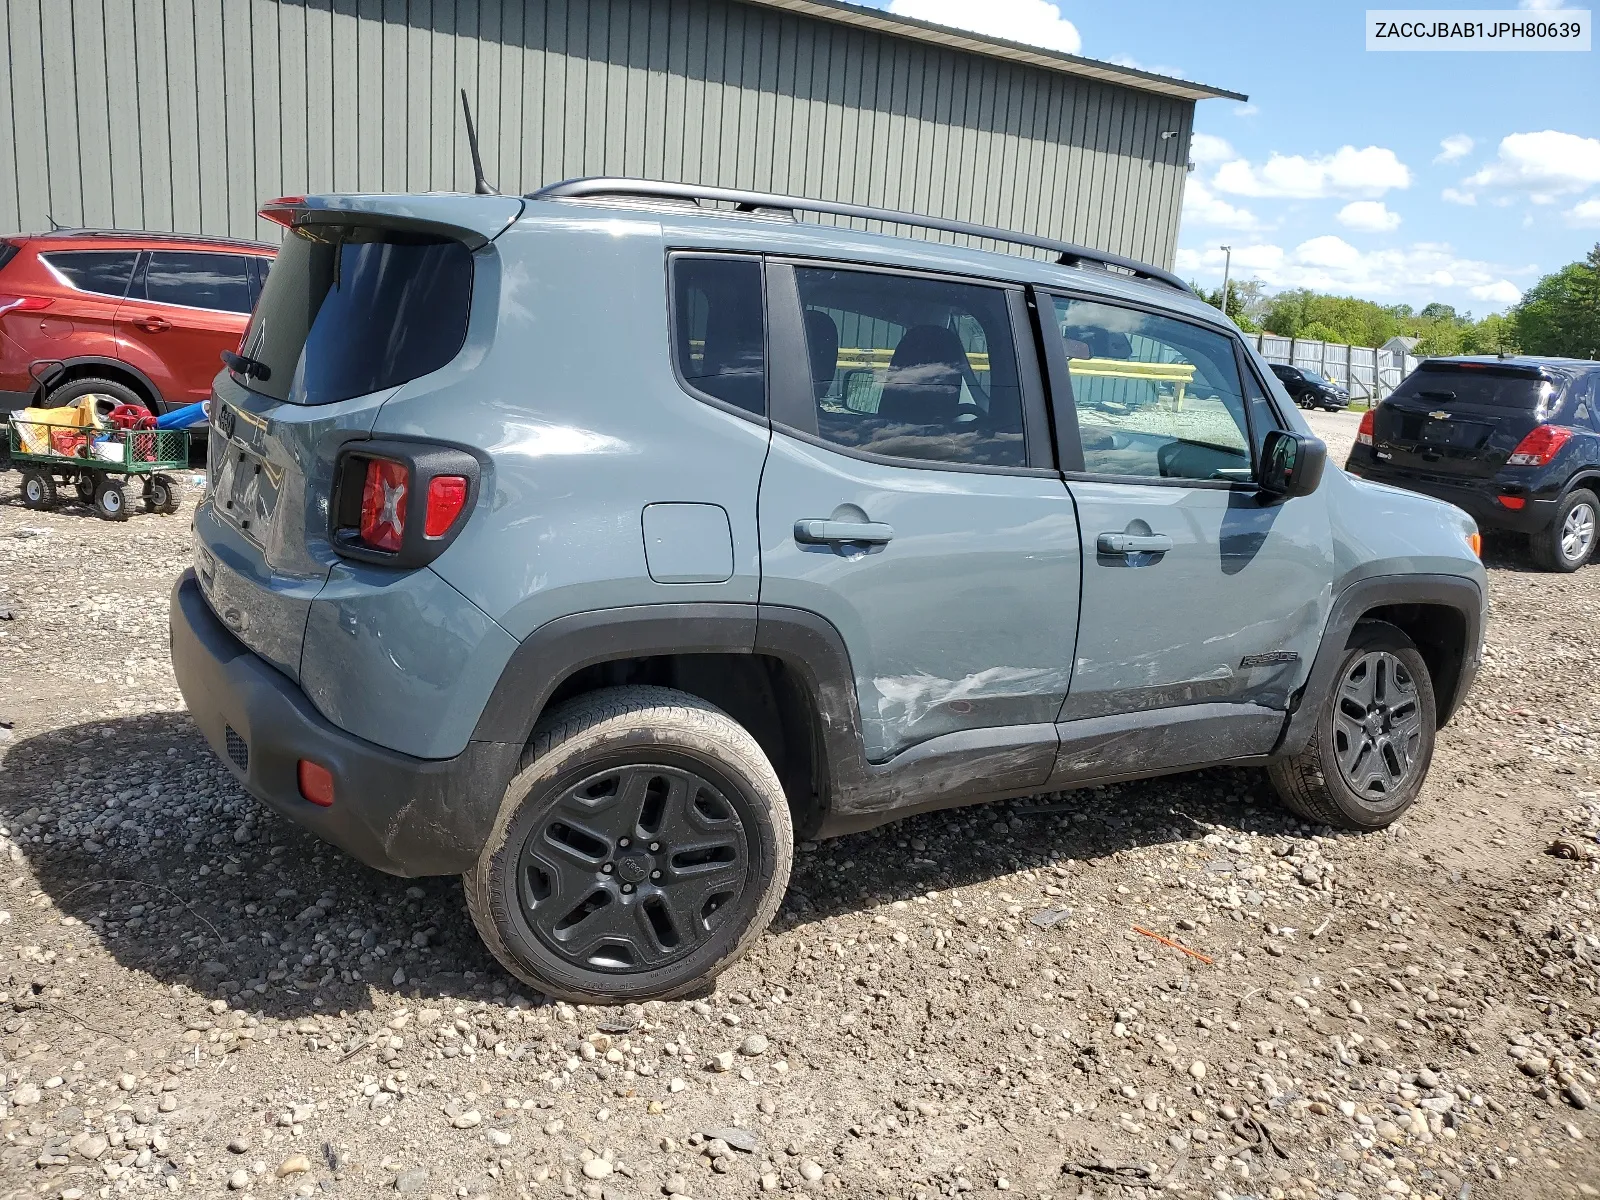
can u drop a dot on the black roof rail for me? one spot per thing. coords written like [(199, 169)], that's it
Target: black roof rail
[(68, 231), (1068, 253)]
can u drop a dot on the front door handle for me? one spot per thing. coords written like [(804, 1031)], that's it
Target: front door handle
[(1133, 543), (152, 324), (816, 532)]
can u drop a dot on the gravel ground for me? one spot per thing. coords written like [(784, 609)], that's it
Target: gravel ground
[(196, 997)]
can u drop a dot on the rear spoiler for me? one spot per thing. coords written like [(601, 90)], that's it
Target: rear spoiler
[(473, 220)]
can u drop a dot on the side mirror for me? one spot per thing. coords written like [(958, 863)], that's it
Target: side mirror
[(1291, 464)]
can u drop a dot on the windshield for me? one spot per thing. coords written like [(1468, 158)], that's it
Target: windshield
[(351, 310)]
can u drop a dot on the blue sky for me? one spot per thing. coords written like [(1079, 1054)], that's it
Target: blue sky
[(1454, 176)]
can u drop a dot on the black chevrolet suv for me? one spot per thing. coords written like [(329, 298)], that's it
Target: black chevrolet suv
[(1513, 441)]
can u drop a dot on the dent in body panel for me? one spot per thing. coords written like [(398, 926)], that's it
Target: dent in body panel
[(403, 660), (911, 708)]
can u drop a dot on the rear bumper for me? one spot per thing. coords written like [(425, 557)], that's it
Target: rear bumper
[(407, 816), (1480, 500)]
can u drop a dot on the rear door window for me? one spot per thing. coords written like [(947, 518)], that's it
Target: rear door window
[(105, 272), (196, 279), (351, 310), (913, 368)]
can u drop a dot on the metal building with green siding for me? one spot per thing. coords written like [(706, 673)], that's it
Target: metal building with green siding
[(186, 114)]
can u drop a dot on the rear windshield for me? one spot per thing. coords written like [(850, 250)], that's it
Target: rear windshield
[(1496, 387), (352, 310)]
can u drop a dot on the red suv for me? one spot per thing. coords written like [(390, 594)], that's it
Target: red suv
[(137, 316)]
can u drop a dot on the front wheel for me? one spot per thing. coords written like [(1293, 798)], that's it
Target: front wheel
[(1568, 541), (38, 490), (111, 500), (1369, 754), (161, 494), (642, 849)]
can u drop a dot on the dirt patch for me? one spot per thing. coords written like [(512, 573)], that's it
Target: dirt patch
[(196, 997)]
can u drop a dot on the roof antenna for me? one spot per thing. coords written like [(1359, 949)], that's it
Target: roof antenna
[(480, 185), (55, 225)]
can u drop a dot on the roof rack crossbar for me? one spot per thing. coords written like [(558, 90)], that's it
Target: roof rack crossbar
[(1069, 254)]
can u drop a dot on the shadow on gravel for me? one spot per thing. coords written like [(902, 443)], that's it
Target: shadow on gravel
[(179, 875)]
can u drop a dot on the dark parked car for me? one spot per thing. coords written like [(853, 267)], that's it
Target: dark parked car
[(1514, 441), (134, 317), (1309, 389)]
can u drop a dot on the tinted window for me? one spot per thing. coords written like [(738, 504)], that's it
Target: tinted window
[(103, 271), (914, 368), (196, 279), (1154, 396), (719, 334), (348, 311), (1445, 385)]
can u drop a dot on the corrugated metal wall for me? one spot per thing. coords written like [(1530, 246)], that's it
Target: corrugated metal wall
[(186, 114)]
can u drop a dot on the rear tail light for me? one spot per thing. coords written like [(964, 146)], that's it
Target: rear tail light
[(383, 504), (316, 782), (447, 496), (401, 503), (22, 304), (1364, 431), (1540, 446)]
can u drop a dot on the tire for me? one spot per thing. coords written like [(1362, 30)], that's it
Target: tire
[(111, 500), (38, 490), (114, 392), (567, 835), (84, 485), (161, 495), (1569, 540), (1314, 785)]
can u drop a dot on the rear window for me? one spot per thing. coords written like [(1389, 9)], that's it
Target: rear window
[(196, 279), (1476, 387), (103, 271), (350, 310)]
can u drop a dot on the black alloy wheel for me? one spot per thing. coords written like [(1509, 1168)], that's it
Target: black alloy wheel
[(631, 867)]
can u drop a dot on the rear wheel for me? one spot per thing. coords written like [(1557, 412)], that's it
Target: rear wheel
[(642, 849), (1568, 541), (111, 500), (84, 486), (108, 393), (38, 490), (1373, 742)]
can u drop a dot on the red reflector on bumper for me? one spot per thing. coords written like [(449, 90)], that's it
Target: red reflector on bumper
[(316, 783), (1513, 502)]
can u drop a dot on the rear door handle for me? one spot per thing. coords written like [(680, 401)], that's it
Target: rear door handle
[(152, 324), (816, 532), (1133, 543)]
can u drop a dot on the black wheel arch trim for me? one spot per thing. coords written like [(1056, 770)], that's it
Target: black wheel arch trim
[(96, 360), (1384, 591)]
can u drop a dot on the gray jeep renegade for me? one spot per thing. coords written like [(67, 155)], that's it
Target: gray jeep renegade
[(594, 545)]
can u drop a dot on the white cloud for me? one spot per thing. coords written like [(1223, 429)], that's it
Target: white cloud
[(1347, 171), (1544, 164), (1455, 196), (1209, 148), (1328, 263), (1501, 291), (1369, 216), (1245, 110), (1457, 145), (1586, 214), (1202, 206), (1034, 22)]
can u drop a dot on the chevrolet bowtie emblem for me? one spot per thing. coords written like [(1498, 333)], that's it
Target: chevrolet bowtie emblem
[(1439, 415)]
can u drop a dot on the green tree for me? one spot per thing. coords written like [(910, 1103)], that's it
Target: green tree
[(1296, 312), (1560, 315), (1243, 296)]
